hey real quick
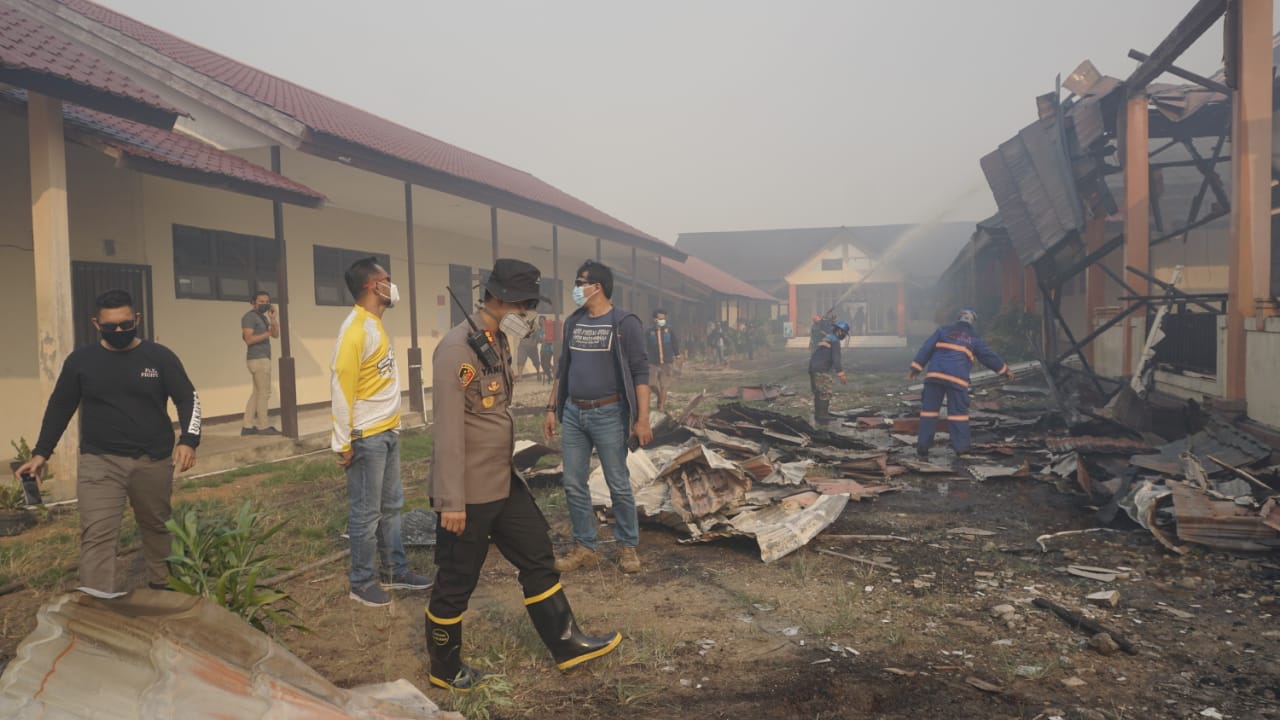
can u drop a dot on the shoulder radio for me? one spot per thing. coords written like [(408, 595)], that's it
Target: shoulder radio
[(481, 341)]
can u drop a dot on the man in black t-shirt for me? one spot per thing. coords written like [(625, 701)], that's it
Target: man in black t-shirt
[(122, 386)]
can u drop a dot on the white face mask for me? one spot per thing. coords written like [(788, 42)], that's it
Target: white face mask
[(393, 294), (517, 325)]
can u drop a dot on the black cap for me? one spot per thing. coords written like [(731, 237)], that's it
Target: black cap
[(514, 281)]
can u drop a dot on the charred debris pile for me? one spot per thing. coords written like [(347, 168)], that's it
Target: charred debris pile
[(1187, 474)]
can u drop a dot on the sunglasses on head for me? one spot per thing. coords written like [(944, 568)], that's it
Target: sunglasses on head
[(126, 326)]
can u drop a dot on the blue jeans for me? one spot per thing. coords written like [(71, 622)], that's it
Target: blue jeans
[(605, 429), (375, 496)]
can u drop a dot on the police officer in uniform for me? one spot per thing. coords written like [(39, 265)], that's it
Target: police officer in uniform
[(475, 489)]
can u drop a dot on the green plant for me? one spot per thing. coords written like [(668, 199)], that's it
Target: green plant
[(22, 451), (480, 703), (225, 561), (12, 497)]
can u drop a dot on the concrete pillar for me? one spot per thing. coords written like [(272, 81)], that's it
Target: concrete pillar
[(493, 231), (1249, 270), (902, 309), (793, 312), (52, 249), (1137, 217), (1095, 279)]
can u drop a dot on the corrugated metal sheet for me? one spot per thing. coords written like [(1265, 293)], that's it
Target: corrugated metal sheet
[(1032, 189), (159, 654)]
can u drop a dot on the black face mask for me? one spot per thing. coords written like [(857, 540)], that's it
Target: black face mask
[(119, 339), (263, 308)]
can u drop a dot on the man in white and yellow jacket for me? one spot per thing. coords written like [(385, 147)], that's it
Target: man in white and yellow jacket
[(366, 435)]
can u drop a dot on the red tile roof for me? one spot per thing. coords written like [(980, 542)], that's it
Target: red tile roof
[(30, 50), (717, 279), (136, 140), (327, 116)]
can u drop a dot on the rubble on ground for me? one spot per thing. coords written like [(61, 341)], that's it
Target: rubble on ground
[(1187, 476)]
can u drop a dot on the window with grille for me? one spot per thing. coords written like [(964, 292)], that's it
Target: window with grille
[(220, 265), (331, 265)]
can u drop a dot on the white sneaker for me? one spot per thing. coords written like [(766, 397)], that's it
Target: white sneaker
[(100, 594)]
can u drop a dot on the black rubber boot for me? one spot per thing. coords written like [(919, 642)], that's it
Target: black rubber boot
[(444, 649), (922, 452), (822, 412), (553, 619)]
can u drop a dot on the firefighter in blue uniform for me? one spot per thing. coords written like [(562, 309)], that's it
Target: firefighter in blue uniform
[(945, 359), (822, 363)]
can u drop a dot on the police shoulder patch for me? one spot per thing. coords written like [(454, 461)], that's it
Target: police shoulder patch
[(466, 373)]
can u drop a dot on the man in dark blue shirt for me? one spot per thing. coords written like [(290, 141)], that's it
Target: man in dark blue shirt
[(601, 397), (824, 361)]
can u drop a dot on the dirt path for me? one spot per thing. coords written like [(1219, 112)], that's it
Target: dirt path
[(711, 632)]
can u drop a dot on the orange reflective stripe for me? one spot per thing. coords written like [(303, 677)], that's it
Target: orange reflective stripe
[(958, 418), (917, 366), (928, 414), (957, 348), (948, 378)]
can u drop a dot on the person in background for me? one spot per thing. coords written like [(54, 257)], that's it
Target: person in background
[(122, 386), (257, 327), (478, 494), (716, 342), (824, 361), (546, 351), (365, 393), (601, 398), (946, 359), (527, 349), (663, 350)]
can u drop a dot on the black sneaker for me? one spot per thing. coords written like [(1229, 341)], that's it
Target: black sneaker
[(372, 596), (159, 586), (268, 431), (408, 580), (248, 431)]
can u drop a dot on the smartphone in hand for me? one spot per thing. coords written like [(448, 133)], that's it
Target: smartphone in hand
[(31, 489)]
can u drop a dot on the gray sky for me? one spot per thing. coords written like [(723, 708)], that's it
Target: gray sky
[(697, 115)]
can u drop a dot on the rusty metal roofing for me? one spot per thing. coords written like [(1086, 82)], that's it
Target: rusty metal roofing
[(1218, 439), (34, 56), (1034, 190), (332, 118), (190, 160), (160, 654)]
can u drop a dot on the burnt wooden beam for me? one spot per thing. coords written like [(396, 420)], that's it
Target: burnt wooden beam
[(1210, 175), (1199, 19), (1197, 224), (1176, 71), (1052, 302), (1171, 289)]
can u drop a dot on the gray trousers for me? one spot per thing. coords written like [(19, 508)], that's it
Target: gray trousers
[(105, 483)]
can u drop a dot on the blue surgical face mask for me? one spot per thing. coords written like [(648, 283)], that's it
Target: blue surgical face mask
[(580, 295)]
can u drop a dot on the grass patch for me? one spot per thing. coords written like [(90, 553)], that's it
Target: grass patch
[(415, 445)]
